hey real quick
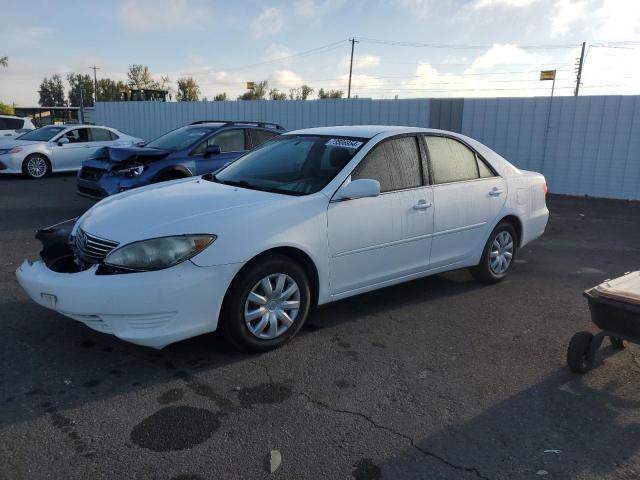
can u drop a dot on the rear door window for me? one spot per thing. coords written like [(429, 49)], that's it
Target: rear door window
[(11, 123), (260, 136), (451, 160), (100, 135)]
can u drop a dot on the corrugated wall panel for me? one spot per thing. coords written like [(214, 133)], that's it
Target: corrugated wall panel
[(592, 143)]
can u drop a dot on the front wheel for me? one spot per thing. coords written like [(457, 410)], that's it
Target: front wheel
[(498, 254), (266, 304), (36, 166), (580, 358)]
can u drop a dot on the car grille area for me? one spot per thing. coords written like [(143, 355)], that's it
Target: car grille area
[(91, 173), (90, 248)]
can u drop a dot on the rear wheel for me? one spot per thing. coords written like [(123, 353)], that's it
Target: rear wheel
[(36, 166), (266, 305), (579, 356), (498, 255)]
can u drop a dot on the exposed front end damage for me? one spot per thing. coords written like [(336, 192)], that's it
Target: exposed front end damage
[(153, 308), (114, 170)]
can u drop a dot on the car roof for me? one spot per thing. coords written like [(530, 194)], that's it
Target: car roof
[(15, 116), (360, 131)]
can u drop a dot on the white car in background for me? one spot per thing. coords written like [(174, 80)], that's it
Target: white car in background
[(305, 219), (58, 148), (11, 126)]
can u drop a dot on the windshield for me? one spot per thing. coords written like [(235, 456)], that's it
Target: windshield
[(43, 134), (179, 139), (292, 164)]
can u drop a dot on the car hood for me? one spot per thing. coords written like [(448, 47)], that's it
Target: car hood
[(178, 207), (16, 143), (125, 154)]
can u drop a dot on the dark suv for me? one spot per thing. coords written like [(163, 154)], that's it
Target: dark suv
[(195, 149)]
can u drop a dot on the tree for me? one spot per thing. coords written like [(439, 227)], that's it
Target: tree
[(78, 82), (139, 77), (110, 90), (221, 97), (275, 94), (6, 109), (51, 92), (4, 61), (330, 93), (259, 92), (188, 90), (301, 93)]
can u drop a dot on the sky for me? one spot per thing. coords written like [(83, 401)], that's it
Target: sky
[(406, 48)]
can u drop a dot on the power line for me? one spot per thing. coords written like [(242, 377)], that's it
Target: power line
[(459, 46)]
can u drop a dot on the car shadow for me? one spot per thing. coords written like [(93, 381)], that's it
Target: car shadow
[(562, 427), (66, 360)]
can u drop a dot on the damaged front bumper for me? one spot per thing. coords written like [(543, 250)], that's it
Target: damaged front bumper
[(148, 308), (96, 180)]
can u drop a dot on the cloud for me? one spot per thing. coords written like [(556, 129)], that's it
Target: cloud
[(361, 61), (315, 8), (25, 36), (163, 15), (566, 13), (497, 55), (268, 22), (285, 79), (418, 8), (503, 3), (617, 20), (277, 52)]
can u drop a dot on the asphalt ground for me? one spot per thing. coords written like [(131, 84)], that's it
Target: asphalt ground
[(440, 378)]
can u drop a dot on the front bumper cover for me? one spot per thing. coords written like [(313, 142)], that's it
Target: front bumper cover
[(152, 309)]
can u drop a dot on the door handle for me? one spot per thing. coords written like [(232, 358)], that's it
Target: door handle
[(495, 192), (422, 205)]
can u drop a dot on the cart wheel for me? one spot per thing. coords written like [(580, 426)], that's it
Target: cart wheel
[(579, 357), (617, 343)]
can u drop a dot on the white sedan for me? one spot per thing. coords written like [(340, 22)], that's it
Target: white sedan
[(58, 148), (308, 218)]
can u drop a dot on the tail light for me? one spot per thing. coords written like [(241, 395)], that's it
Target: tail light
[(545, 188)]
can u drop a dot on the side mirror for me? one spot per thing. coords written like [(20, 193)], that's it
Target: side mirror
[(63, 141), (361, 188), (211, 150)]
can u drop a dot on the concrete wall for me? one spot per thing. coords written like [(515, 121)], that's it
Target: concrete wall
[(592, 145)]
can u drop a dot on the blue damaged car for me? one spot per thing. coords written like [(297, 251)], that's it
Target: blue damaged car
[(195, 149)]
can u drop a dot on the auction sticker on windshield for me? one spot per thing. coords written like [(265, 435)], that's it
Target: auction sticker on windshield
[(343, 142)]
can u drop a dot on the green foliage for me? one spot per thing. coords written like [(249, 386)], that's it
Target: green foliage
[(330, 93), (78, 82), (258, 93), (221, 97), (275, 94), (301, 93), (188, 90), (110, 90), (139, 77), (51, 92), (6, 109)]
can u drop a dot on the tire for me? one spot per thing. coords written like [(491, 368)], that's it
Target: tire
[(503, 245), (579, 357), (36, 166), (617, 343), (249, 324)]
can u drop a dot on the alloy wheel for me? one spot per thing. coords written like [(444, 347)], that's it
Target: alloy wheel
[(37, 167)]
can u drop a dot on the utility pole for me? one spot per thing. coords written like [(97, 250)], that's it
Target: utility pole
[(353, 44), (580, 65), (95, 82)]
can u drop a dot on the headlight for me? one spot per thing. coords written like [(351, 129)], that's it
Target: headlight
[(129, 170), (10, 150), (158, 253)]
